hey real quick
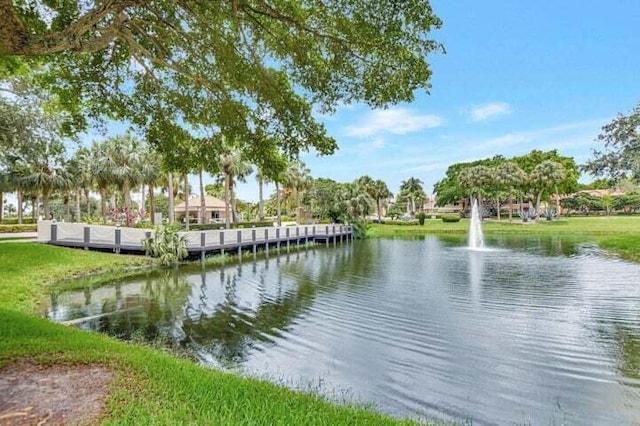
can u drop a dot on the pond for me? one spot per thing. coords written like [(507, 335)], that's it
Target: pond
[(540, 331)]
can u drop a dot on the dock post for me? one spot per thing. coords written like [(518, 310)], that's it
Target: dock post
[(202, 244), (266, 241), (54, 232), (326, 230), (118, 238), (87, 237), (287, 236), (334, 235), (253, 238), (239, 236), (306, 235), (341, 234), (278, 239), (221, 242)]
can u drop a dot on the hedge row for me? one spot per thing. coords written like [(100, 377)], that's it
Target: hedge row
[(14, 221), (215, 226), (9, 229)]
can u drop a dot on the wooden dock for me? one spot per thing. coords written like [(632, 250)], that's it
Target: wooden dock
[(199, 243)]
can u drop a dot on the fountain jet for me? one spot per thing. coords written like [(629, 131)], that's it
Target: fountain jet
[(476, 240)]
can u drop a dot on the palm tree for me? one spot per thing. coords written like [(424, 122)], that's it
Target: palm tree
[(299, 180), (101, 170), (150, 175), (124, 158), (233, 166), (262, 179), (357, 202), (379, 192), (477, 180), (412, 190), (545, 176), (83, 173), (47, 178), (510, 176)]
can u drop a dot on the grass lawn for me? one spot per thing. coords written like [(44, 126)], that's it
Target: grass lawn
[(151, 387), (618, 234)]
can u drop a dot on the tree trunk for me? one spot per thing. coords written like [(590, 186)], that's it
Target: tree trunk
[(480, 207), (126, 194), (20, 207), (45, 204), (557, 201), (278, 201), (261, 200), (152, 205), (510, 206), (35, 209), (171, 194), (67, 209), (538, 197), (379, 210), (186, 201), (203, 204), (103, 204), (86, 195), (227, 200), (234, 210), (141, 207), (498, 207), (78, 204)]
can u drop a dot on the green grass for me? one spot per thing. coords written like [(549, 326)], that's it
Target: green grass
[(28, 270), (617, 234), (151, 386)]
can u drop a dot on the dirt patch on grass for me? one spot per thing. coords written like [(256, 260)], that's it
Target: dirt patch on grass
[(31, 394)]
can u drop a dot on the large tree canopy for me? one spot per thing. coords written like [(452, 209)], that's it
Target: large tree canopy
[(450, 189), (250, 68), (621, 155)]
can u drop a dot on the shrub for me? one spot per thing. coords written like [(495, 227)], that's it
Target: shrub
[(450, 218), (167, 245), (359, 228), (421, 216), (10, 229)]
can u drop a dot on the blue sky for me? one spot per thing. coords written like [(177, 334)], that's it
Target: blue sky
[(517, 76)]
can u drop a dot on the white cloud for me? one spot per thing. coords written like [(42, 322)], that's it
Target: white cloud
[(399, 121), (486, 111)]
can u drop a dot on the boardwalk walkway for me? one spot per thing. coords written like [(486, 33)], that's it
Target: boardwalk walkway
[(129, 240)]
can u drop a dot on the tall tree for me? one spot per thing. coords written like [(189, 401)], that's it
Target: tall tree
[(233, 166), (380, 193), (412, 190), (232, 63), (545, 176), (151, 175), (123, 159), (621, 155), (510, 176), (299, 180)]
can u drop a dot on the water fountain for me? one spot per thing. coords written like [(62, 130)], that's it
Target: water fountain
[(476, 240)]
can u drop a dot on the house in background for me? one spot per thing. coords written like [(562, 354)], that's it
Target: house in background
[(214, 209)]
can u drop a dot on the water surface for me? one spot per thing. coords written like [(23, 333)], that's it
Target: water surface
[(541, 331)]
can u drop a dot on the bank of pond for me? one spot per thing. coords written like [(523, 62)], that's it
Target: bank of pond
[(536, 329)]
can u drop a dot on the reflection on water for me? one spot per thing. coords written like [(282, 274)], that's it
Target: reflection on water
[(539, 331)]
